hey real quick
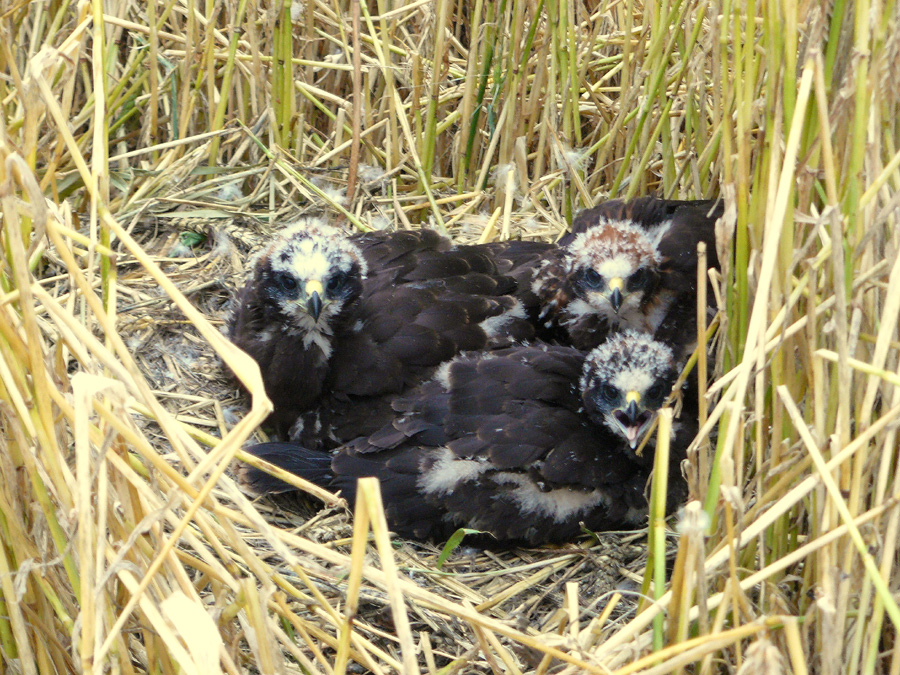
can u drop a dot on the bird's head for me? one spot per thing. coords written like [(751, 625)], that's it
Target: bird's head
[(626, 381), (309, 274), (614, 268)]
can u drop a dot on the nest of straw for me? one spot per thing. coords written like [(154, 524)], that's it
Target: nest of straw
[(525, 587), (175, 389)]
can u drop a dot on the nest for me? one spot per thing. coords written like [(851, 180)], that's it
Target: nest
[(525, 588)]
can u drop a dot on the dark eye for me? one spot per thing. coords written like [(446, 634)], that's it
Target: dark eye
[(655, 392), (639, 280), (336, 282), (286, 281), (592, 278), (609, 393)]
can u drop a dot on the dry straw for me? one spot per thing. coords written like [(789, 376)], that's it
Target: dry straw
[(130, 131)]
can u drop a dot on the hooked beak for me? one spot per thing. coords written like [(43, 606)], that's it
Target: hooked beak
[(632, 420), (615, 299), (314, 293)]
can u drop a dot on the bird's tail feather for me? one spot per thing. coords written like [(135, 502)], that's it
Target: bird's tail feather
[(313, 465)]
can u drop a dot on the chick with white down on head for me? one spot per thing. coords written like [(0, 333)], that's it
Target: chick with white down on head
[(341, 323), (528, 444), (625, 265)]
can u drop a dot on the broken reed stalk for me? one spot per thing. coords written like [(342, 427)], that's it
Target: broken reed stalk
[(656, 556)]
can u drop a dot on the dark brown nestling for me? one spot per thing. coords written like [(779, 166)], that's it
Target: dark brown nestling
[(624, 265), (303, 290), (604, 279), (675, 227), (529, 444), (340, 324), (626, 381)]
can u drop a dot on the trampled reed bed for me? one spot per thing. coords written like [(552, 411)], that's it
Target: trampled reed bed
[(125, 127)]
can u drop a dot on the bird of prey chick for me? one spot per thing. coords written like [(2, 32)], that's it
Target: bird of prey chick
[(340, 324), (624, 265), (529, 444), (666, 288)]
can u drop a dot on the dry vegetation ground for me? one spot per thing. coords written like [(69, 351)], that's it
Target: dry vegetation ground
[(128, 128)]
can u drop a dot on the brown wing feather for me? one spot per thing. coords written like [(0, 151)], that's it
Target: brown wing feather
[(645, 211)]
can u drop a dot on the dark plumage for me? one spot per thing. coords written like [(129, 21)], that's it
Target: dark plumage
[(340, 324), (675, 227), (624, 265), (525, 443)]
